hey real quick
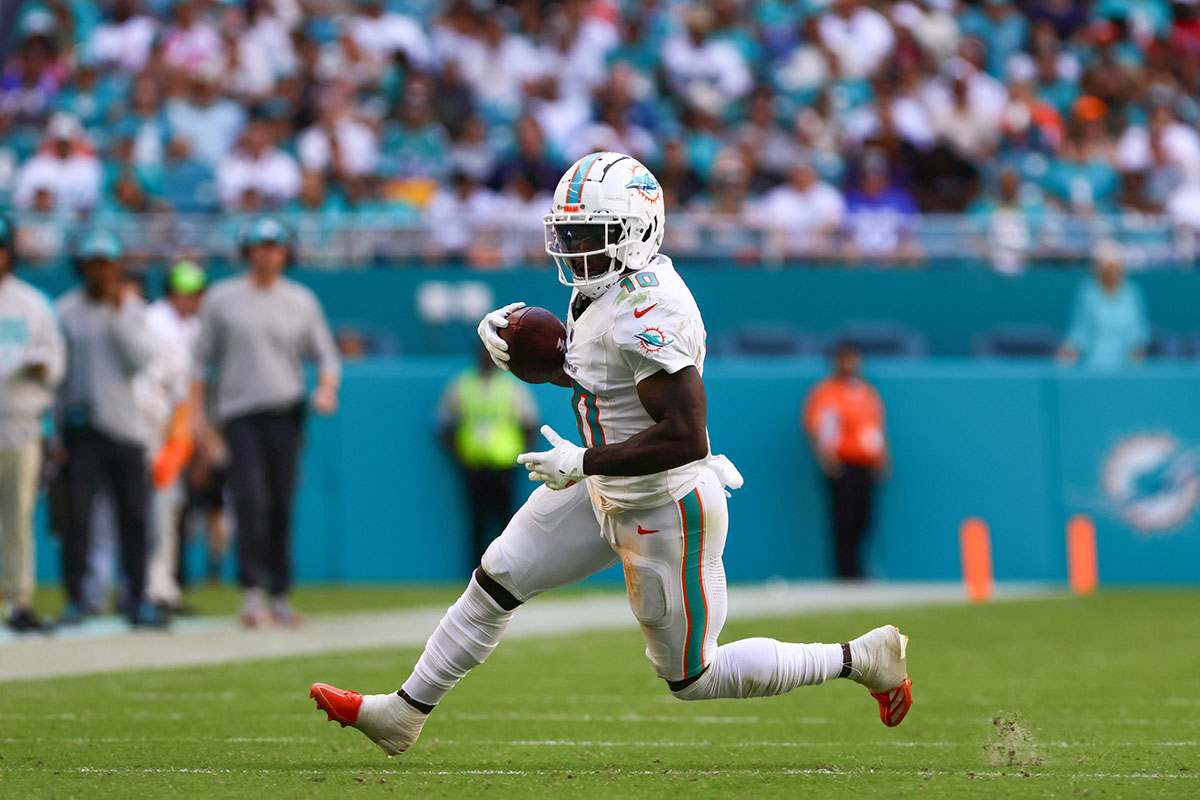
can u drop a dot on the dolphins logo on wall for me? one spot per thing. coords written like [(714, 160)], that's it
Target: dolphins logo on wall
[(1152, 482)]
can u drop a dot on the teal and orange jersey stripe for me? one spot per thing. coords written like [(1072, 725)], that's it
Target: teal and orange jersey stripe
[(587, 417)]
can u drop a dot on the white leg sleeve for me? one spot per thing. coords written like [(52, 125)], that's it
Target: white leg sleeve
[(761, 667), (465, 637)]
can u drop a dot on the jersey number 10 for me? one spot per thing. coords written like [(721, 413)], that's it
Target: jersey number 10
[(644, 280)]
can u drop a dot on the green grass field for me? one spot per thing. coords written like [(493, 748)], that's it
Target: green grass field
[(1047, 698)]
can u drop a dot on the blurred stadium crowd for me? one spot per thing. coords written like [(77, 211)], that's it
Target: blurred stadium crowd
[(810, 128)]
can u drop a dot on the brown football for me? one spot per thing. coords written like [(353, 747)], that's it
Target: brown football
[(537, 344)]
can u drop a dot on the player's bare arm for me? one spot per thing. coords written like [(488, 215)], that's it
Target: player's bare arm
[(679, 435)]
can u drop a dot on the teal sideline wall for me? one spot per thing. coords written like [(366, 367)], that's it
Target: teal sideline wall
[(1020, 445), (949, 307)]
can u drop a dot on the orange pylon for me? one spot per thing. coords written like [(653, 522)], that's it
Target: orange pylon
[(1083, 569), (976, 544)]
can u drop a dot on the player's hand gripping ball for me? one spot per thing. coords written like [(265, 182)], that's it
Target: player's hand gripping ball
[(537, 344)]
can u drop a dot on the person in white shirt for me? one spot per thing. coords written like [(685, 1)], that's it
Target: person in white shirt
[(259, 166), (66, 166), (699, 64), (1179, 143), (454, 211), (32, 362), (802, 215), (859, 36), (125, 39), (172, 321), (383, 33), (192, 43), (264, 53), (337, 140)]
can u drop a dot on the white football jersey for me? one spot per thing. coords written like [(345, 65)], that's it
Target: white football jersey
[(645, 323)]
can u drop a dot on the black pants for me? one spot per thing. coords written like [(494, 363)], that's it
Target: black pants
[(94, 459), (489, 498), (850, 497), (264, 448)]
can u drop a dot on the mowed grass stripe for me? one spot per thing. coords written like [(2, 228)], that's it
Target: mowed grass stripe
[(1030, 690)]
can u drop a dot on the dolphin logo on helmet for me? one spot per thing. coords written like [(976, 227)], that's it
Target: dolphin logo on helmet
[(606, 218)]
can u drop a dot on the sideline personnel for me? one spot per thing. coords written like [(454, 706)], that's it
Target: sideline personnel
[(486, 419), (843, 417), (256, 329), (32, 360), (104, 433)]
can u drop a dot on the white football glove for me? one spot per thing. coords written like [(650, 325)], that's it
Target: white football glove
[(497, 348), (557, 468)]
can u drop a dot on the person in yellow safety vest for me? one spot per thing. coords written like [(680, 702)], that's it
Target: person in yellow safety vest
[(486, 418)]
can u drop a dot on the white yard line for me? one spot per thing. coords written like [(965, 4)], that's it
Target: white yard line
[(108, 646), (289, 740), (401, 773)]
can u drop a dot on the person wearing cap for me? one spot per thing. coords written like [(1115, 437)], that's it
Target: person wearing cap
[(32, 360), (256, 330), (1109, 326), (66, 166), (104, 431), (173, 325)]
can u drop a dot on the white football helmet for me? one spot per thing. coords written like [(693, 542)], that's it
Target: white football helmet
[(607, 216)]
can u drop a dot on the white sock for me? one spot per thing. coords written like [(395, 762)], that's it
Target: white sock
[(467, 635), (762, 667)]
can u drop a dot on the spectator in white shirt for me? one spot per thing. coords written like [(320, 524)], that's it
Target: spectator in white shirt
[(860, 37), (453, 214), (66, 167), (206, 122), (1177, 141), (264, 53), (970, 134), (256, 164), (383, 33), (125, 39), (802, 215), (1183, 206), (192, 43), (337, 141), (698, 64), (506, 63)]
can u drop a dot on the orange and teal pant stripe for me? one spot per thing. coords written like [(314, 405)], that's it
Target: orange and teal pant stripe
[(691, 512)]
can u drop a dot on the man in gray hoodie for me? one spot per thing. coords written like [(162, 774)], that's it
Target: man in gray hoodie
[(32, 360), (104, 433)]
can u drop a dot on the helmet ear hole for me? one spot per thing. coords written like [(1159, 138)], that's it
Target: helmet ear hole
[(649, 231)]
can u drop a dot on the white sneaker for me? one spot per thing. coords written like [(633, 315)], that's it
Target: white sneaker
[(385, 719), (878, 661), (253, 613)]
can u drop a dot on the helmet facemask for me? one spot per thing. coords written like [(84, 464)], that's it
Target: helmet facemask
[(589, 250)]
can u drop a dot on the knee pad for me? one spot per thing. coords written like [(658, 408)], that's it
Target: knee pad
[(703, 688), (504, 568)]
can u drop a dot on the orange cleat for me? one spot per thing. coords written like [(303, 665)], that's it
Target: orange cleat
[(340, 705), (894, 703), (386, 719), (879, 660)]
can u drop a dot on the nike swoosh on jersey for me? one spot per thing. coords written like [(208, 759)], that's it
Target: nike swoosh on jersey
[(643, 531), (638, 313)]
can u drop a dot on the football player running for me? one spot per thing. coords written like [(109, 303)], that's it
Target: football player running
[(642, 490)]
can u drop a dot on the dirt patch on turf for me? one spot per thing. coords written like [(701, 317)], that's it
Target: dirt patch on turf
[(1013, 745)]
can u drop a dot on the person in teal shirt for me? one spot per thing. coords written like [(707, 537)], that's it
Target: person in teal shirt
[(1109, 328)]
